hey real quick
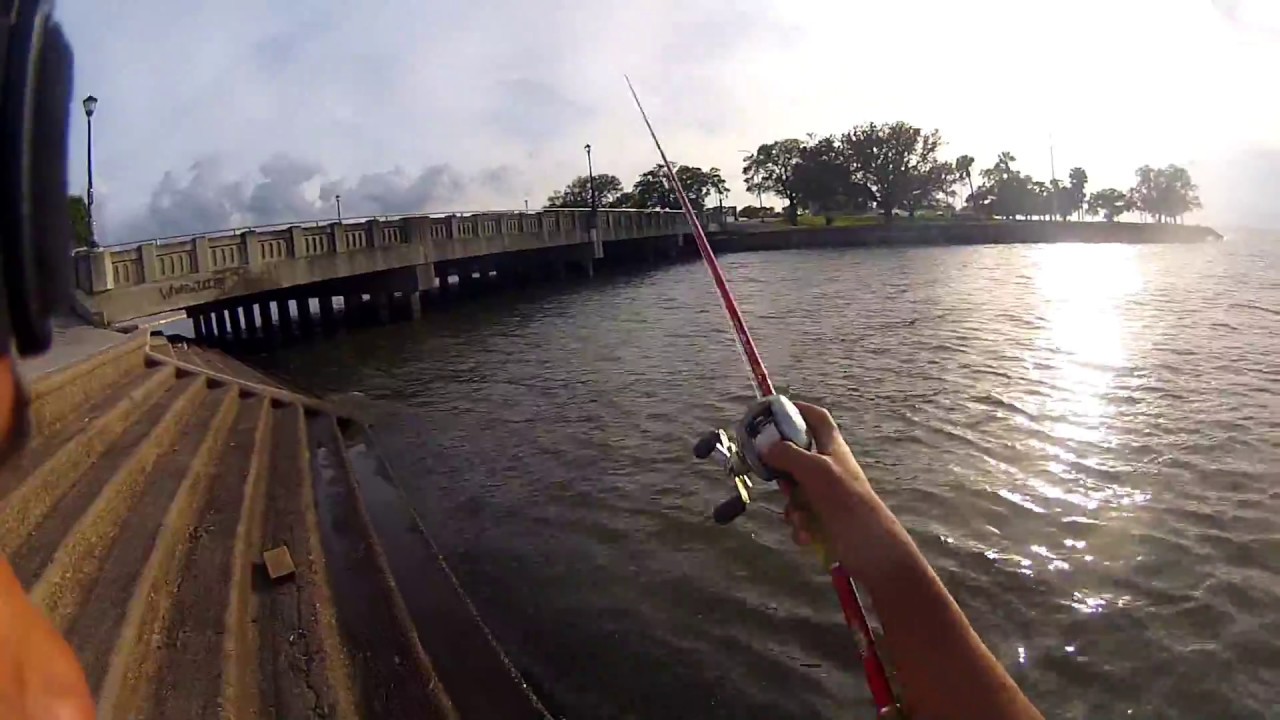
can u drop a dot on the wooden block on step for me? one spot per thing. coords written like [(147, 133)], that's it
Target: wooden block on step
[(279, 562)]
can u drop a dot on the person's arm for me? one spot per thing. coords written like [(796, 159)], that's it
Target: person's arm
[(39, 676), (944, 669)]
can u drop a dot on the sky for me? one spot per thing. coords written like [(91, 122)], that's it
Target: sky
[(234, 113)]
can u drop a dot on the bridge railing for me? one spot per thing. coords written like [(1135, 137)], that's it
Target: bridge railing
[(105, 269)]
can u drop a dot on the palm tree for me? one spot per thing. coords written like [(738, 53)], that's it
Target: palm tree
[(964, 169), (1005, 161), (1078, 179)]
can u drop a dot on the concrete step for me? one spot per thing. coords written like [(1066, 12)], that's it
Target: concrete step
[(379, 635), (88, 518), (48, 470), (479, 678), (219, 362), (62, 394), (303, 668), (139, 519), (94, 630), (159, 345), (188, 638)]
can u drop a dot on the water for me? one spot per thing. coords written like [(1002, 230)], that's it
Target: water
[(1083, 439)]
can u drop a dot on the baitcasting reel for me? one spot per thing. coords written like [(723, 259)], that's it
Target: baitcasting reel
[(768, 421)]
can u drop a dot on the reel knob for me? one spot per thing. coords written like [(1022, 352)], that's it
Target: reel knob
[(729, 510), (706, 444)]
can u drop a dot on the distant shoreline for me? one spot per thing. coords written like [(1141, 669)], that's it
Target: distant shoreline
[(738, 237)]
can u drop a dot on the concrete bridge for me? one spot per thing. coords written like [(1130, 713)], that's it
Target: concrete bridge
[(291, 275)]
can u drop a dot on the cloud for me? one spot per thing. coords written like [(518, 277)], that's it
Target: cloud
[(287, 188), (187, 88), (1241, 188)]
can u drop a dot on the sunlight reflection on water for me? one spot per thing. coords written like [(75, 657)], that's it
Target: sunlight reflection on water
[(1075, 364)]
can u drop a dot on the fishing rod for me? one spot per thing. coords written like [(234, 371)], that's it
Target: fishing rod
[(771, 419)]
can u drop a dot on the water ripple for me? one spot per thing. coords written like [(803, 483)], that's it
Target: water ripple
[(1081, 438)]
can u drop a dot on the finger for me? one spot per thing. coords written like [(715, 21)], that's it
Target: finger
[(800, 464), (822, 427), (799, 520), (801, 538)]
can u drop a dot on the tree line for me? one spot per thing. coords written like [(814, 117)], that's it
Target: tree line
[(897, 168), (651, 191)]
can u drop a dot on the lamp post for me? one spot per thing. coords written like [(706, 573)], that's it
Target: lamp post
[(591, 182), (90, 104), (338, 199)]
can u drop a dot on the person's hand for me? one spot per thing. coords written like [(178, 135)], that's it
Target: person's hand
[(39, 676), (832, 485)]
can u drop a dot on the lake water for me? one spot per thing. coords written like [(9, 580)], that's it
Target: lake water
[(1083, 439)]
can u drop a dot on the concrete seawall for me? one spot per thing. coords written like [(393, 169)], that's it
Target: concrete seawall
[(909, 234), (209, 542)]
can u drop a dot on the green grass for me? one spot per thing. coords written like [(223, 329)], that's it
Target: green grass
[(840, 221)]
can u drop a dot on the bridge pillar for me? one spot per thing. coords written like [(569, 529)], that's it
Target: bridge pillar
[(220, 326), (284, 315), (250, 322), (467, 280), (268, 322), (352, 309), (237, 331), (197, 324), (306, 322), (327, 323), (382, 304), (204, 261)]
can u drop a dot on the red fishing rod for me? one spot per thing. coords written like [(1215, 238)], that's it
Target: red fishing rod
[(772, 418)]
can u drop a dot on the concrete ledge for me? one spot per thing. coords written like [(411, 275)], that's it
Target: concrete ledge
[(906, 233), (60, 393)]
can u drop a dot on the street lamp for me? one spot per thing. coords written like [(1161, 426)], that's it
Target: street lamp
[(591, 181), (90, 104), (338, 199)]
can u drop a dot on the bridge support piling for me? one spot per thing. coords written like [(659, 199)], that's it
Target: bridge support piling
[(401, 306), (352, 305), (327, 324), (220, 326), (197, 324), (250, 322), (284, 316), (237, 330), (306, 322), (382, 306), (268, 321)]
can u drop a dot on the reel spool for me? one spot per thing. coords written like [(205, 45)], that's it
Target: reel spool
[(767, 422)]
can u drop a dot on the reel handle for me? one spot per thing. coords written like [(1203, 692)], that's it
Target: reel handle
[(729, 510)]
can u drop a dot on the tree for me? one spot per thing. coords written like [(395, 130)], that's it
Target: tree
[(1110, 203), (1165, 193), (964, 171), (716, 184), (653, 191), (772, 169), (897, 162), (1062, 200), (626, 199), (577, 194), (824, 182), (81, 229), (1006, 191), (1078, 180), (930, 188)]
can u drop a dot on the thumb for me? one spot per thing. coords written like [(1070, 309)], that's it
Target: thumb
[(791, 459)]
